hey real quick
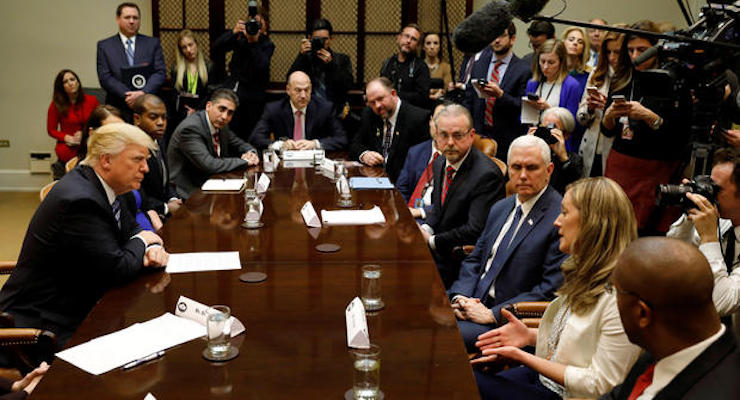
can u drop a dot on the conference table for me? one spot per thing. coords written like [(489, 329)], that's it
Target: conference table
[(295, 342)]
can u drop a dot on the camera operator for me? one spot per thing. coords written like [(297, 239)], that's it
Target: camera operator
[(249, 70), (556, 125), (330, 72), (716, 228)]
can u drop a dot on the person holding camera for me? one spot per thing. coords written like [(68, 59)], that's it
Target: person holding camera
[(556, 125), (249, 70), (713, 224), (330, 71)]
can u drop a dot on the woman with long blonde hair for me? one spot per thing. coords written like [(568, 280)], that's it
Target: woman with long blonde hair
[(190, 75), (581, 347)]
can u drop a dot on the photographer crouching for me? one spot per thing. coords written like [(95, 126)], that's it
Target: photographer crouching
[(712, 221), (556, 125)]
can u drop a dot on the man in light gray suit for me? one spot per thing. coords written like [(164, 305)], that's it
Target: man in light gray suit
[(203, 145)]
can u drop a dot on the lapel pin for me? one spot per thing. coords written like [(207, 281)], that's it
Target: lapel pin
[(396, 133), (530, 221)]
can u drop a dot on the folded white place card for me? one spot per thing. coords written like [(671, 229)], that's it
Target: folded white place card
[(150, 396), (327, 164), (298, 164), (222, 185), (263, 183), (291, 155), (194, 311), (357, 334), (353, 217), (314, 232), (207, 261), (309, 215), (530, 115)]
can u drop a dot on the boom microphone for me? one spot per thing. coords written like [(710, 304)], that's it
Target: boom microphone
[(646, 55), (482, 27), (526, 9)]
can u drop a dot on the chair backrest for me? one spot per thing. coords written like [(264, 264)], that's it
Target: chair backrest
[(486, 145), (45, 190), (71, 164)]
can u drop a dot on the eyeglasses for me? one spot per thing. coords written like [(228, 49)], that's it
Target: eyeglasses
[(455, 136)]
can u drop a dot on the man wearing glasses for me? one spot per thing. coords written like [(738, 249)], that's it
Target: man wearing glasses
[(466, 184), (408, 72)]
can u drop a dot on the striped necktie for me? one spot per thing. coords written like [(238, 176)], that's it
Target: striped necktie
[(130, 51), (116, 208)]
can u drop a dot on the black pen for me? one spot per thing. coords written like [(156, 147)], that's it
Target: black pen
[(140, 361)]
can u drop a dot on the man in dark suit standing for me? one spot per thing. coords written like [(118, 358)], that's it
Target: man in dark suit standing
[(389, 127), (664, 295), (300, 121), (203, 145), (128, 49), (466, 184), (81, 241), (517, 258), (497, 116), (158, 192)]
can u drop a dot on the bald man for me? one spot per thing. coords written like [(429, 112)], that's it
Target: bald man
[(299, 122), (664, 295)]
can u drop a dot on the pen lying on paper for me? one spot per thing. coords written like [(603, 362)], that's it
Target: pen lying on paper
[(140, 361)]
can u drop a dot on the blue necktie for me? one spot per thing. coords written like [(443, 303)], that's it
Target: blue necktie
[(501, 252), (129, 52), (116, 206)]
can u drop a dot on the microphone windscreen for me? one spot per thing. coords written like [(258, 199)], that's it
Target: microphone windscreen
[(526, 9), (482, 27), (646, 55)]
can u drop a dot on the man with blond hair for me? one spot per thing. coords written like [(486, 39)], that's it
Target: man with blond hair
[(80, 241)]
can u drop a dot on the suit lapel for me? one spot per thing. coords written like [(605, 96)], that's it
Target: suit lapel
[(288, 119), (102, 198), (206, 129), (400, 124), (309, 118), (460, 176)]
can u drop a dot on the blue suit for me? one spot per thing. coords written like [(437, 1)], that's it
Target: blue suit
[(506, 126), (417, 160), (112, 56), (529, 272)]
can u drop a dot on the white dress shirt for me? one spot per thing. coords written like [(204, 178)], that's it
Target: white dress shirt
[(124, 39)]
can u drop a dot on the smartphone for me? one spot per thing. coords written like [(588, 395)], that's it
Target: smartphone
[(618, 98), (592, 90), (480, 82), (533, 96)]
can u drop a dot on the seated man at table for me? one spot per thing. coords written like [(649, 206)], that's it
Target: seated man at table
[(389, 127), (466, 184), (203, 145), (81, 241), (299, 122), (664, 295), (517, 258)]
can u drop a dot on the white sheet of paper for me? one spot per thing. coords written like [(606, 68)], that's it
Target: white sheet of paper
[(263, 183), (206, 261), (107, 352), (292, 155), (353, 217), (198, 312), (530, 115), (357, 334), (223, 185), (309, 215), (150, 396)]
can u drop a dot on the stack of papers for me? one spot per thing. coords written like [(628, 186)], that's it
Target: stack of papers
[(111, 351), (194, 262), (530, 115), (353, 217), (361, 182), (223, 185)]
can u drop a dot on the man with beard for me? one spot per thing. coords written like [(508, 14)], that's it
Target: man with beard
[(466, 184), (408, 72), (497, 104)]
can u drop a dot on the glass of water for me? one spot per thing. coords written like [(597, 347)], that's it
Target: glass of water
[(267, 160), (219, 331), (366, 373), (371, 289)]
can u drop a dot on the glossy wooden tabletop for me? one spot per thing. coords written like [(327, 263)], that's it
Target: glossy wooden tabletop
[(295, 340)]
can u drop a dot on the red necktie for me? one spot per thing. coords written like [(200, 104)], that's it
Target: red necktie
[(215, 143), (492, 100), (298, 127), (643, 381), (426, 176), (448, 182)]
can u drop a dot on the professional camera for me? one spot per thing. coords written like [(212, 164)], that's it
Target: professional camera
[(668, 195), (317, 43), (253, 26), (543, 132)]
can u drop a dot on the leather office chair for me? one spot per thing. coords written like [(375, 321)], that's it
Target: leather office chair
[(71, 164), (529, 312), (45, 190), (486, 145)]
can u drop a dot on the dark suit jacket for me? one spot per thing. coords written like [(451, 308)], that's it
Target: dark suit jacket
[(156, 187), (506, 112), (112, 56), (336, 76), (460, 220), (531, 270), (417, 160), (412, 127), (321, 124), (72, 253), (192, 158), (712, 375)]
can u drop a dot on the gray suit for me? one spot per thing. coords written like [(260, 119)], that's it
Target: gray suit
[(192, 158)]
